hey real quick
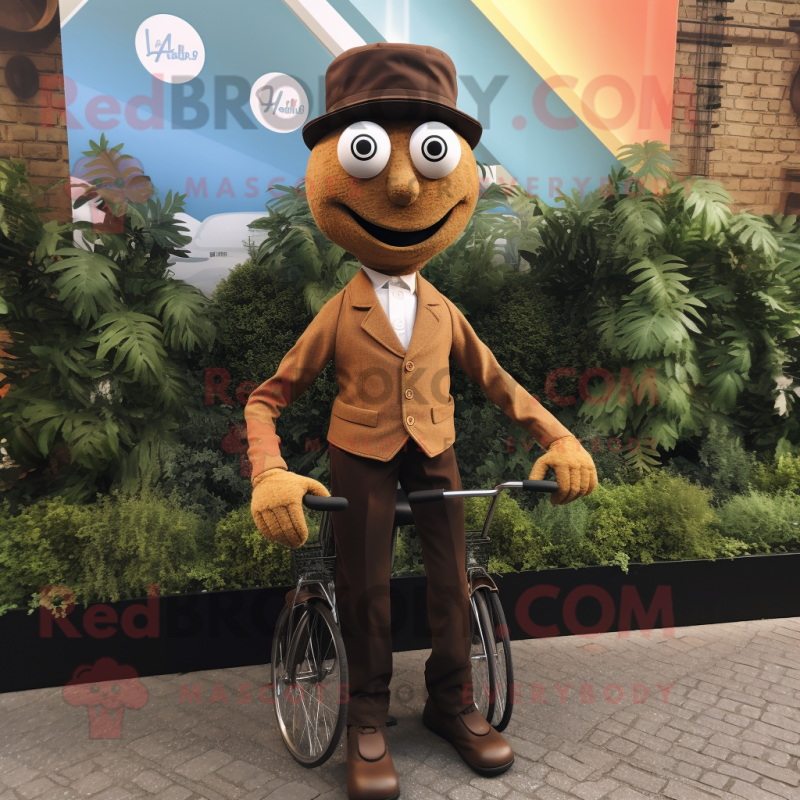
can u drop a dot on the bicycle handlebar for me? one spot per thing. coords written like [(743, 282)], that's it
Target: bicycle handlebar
[(317, 503), (426, 496), (540, 486), (432, 495)]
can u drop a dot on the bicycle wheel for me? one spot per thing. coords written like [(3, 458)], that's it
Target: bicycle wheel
[(504, 669), (308, 673), (484, 678)]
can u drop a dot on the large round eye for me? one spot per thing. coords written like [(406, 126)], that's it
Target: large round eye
[(435, 149), (364, 149)]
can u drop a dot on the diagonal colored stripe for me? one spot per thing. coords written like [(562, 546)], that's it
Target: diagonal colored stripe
[(617, 57), (511, 31)]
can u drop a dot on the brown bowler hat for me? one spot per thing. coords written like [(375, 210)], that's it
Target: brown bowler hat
[(388, 81)]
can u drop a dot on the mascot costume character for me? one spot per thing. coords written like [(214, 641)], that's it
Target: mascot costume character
[(392, 179)]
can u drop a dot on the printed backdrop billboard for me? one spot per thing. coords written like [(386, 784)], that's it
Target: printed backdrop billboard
[(210, 98)]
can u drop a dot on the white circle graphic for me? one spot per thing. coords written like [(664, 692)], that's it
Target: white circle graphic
[(279, 102), (170, 48)]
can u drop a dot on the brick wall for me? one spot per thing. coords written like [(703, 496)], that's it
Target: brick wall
[(759, 135), (23, 135)]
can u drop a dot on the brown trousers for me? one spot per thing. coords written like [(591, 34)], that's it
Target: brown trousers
[(363, 544)]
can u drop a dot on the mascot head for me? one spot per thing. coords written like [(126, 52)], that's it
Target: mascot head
[(391, 177)]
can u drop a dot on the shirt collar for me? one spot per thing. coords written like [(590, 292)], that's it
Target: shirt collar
[(379, 280)]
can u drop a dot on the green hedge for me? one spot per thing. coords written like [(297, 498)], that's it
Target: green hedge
[(114, 548), (260, 317), (531, 335)]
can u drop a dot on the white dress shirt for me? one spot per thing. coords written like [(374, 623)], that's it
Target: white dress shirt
[(398, 298)]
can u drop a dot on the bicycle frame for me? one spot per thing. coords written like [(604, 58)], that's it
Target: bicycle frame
[(477, 575), (323, 589)]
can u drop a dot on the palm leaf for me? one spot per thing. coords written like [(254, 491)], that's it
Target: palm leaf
[(707, 201), (755, 233), (183, 311), (137, 341), (87, 284)]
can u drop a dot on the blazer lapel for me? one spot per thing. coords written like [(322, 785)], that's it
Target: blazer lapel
[(428, 321), (375, 322)]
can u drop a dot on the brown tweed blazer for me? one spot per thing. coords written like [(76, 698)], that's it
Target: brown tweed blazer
[(387, 395)]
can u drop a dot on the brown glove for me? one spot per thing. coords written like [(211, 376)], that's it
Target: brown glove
[(574, 468), (277, 505)]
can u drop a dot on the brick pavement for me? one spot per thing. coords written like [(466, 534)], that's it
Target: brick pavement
[(711, 712)]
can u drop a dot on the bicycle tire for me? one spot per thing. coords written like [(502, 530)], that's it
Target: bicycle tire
[(484, 677), (504, 668), (310, 727)]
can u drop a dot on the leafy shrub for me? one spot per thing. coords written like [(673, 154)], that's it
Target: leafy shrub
[(729, 466), (242, 557), (565, 530), (132, 540), (38, 547), (672, 281), (767, 522), (203, 467), (531, 335), (109, 550), (98, 336), (663, 517), (517, 543), (780, 475)]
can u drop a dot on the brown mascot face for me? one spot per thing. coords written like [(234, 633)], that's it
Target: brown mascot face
[(392, 193)]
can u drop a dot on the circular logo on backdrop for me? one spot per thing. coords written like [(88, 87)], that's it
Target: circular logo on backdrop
[(279, 102), (170, 48)]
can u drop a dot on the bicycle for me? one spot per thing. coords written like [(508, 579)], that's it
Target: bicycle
[(308, 655)]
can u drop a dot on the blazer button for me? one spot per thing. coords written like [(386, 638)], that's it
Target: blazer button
[(409, 366), (409, 393), (410, 421)]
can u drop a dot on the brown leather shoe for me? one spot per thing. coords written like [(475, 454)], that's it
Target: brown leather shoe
[(370, 771), (477, 742)]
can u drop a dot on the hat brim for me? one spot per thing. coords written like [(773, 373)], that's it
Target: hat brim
[(378, 109)]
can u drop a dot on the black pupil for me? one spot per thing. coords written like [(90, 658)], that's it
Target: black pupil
[(364, 147), (434, 148)]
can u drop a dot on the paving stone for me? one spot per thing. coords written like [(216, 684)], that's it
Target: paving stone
[(637, 778), (114, 793), (676, 790), (294, 791), (93, 783), (569, 766), (18, 777), (34, 788), (750, 792), (594, 790), (465, 793), (626, 793), (205, 764)]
